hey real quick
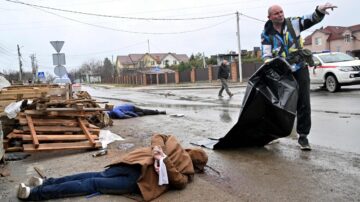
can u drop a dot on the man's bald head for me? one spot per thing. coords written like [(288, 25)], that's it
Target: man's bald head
[(276, 14)]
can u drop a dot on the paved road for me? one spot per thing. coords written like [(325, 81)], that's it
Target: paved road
[(276, 172), (335, 116)]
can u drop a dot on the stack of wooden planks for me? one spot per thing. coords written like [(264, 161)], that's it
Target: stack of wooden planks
[(57, 129), (19, 92), (56, 123)]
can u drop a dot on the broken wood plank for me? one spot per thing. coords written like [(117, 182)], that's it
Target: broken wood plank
[(32, 131), (79, 106), (40, 172), (52, 129), (76, 109), (58, 90), (14, 97), (61, 146), (52, 122), (86, 131), (58, 113), (59, 137), (14, 149)]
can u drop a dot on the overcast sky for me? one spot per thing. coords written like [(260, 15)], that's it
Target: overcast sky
[(94, 38)]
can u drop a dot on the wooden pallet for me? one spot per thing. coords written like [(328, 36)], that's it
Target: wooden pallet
[(40, 132), (19, 92), (49, 123)]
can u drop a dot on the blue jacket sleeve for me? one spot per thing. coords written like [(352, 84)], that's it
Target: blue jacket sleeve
[(132, 114), (266, 47), (117, 113)]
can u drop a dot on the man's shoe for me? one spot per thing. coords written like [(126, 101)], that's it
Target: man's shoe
[(304, 143), (35, 181), (220, 96), (231, 95), (23, 191)]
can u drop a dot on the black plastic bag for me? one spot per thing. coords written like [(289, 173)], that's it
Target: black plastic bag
[(268, 110)]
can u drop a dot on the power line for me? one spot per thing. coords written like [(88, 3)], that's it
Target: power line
[(121, 17), (134, 32), (96, 53), (250, 17)]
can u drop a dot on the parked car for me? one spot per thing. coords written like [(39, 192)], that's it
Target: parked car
[(334, 69), (61, 81)]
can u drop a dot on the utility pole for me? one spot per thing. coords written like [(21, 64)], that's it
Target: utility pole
[(148, 46), (204, 63), (34, 68), (20, 63), (32, 57), (239, 47)]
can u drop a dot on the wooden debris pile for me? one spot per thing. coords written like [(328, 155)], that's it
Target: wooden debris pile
[(49, 123), (19, 92)]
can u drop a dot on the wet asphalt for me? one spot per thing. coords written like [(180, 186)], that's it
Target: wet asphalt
[(276, 172), (335, 116)]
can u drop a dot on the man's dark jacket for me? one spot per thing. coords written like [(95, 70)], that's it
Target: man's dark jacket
[(223, 72)]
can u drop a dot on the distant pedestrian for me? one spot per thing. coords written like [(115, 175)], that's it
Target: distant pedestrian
[(223, 75)]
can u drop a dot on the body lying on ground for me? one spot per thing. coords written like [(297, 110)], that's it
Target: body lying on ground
[(149, 171), (129, 111)]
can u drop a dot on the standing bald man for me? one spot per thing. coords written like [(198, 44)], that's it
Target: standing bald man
[(281, 38)]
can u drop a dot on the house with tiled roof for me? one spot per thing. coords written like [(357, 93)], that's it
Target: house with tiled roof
[(147, 60), (335, 38)]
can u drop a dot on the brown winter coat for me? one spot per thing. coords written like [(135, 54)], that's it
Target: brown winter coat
[(178, 164)]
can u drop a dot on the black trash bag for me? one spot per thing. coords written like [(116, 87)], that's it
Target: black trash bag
[(268, 110)]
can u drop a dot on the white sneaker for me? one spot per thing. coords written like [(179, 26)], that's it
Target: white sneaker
[(23, 191), (35, 181)]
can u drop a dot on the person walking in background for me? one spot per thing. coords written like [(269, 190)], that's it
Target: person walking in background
[(223, 75), (281, 38)]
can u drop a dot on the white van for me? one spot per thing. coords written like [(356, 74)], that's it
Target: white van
[(334, 69)]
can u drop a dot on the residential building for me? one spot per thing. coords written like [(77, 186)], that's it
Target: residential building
[(335, 38), (146, 60)]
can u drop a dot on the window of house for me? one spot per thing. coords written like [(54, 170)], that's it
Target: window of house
[(152, 62), (337, 48), (318, 41), (174, 62), (347, 38)]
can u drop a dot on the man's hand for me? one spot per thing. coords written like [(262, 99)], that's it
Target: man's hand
[(157, 166), (158, 153), (323, 8)]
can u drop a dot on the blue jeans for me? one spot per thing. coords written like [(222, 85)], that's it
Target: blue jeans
[(119, 179)]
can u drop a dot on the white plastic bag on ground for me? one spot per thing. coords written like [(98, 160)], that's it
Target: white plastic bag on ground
[(13, 109), (106, 137)]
